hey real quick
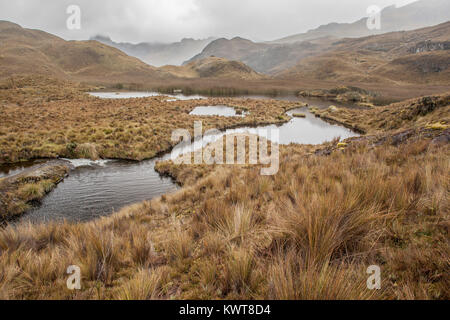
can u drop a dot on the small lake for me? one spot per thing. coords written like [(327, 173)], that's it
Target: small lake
[(98, 188), (307, 130)]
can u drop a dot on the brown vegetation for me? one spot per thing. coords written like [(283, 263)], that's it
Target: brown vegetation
[(309, 232), (18, 192), (48, 119), (213, 67), (420, 112), (391, 58)]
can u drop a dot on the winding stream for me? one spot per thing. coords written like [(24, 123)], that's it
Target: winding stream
[(97, 188)]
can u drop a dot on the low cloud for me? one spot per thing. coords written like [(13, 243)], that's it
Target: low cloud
[(172, 20)]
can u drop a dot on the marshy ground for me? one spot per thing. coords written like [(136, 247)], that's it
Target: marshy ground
[(308, 232), (50, 119)]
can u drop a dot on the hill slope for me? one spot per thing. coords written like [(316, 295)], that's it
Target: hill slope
[(214, 67), (419, 56), (273, 57), (26, 51)]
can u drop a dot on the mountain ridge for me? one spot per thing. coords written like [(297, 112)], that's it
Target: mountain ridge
[(412, 16), (417, 56), (156, 53)]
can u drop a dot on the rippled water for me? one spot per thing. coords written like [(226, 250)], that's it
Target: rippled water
[(97, 188)]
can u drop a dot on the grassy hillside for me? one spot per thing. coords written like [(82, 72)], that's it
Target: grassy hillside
[(214, 67), (26, 51), (419, 56)]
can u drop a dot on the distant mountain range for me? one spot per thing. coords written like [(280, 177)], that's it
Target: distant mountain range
[(159, 54), (214, 67), (263, 57)]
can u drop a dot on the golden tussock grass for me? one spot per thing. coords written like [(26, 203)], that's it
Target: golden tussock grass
[(309, 232)]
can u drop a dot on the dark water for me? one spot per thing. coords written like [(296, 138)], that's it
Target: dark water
[(97, 188)]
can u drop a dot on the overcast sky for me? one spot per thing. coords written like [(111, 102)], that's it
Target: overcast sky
[(171, 20)]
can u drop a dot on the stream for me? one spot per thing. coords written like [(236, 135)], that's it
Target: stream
[(98, 188)]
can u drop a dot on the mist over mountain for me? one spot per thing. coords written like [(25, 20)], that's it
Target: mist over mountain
[(159, 54), (416, 15), (272, 57), (266, 58)]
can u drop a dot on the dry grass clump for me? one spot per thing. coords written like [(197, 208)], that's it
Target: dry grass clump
[(324, 220), (145, 285), (424, 111), (18, 192)]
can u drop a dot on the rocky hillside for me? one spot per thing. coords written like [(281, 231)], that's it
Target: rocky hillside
[(419, 56)]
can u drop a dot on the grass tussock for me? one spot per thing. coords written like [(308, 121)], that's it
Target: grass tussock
[(19, 192)]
